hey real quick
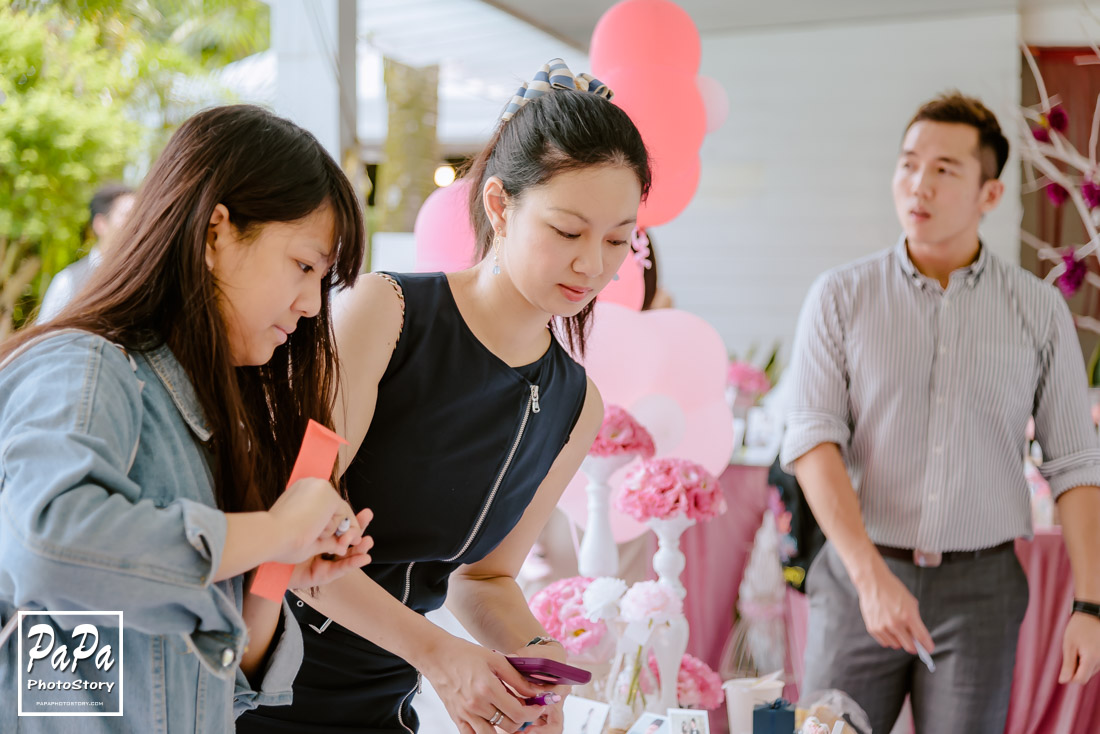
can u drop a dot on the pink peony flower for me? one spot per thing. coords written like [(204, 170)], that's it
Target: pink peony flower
[(621, 434), (650, 602), (697, 686), (747, 379), (665, 487), (559, 608), (1056, 193), (1070, 281)]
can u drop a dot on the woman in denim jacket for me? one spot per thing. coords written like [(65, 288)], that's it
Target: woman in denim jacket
[(146, 434)]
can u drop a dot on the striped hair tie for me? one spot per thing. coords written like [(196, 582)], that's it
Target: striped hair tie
[(554, 75)]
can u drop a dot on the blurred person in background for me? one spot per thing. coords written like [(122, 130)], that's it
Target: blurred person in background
[(107, 212)]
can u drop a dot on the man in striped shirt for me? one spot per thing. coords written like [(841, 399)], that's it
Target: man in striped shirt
[(915, 372)]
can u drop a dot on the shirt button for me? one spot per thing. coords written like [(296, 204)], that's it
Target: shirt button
[(228, 656), (939, 448), (943, 350), (939, 400), (933, 498)]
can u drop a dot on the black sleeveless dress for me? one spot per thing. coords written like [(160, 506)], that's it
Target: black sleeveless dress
[(457, 447)]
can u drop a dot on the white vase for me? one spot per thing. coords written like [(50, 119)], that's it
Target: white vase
[(669, 643), (668, 561), (598, 555)]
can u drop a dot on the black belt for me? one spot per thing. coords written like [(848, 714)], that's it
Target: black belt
[(932, 559)]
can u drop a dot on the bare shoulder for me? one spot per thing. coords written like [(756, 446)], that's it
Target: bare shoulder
[(368, 318)]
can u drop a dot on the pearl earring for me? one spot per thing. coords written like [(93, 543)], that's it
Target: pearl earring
[(496, 259)]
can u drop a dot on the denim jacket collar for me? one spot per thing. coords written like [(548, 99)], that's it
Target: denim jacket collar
[(175, 380)]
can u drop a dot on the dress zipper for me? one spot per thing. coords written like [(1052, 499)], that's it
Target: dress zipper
[(532, 407)]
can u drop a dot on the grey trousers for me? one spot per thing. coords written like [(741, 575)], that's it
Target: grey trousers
[(973, 609)]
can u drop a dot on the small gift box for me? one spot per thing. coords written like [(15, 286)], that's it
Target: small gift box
[(776, 717)]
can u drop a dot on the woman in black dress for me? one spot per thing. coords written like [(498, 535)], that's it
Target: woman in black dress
[(467, 418)]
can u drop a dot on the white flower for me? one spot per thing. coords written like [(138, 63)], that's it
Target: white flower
[(651, 602), (601, 598)]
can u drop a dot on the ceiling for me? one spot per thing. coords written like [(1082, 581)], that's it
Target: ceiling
[(573, 20)]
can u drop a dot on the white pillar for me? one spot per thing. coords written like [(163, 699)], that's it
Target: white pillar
[(314, 43)]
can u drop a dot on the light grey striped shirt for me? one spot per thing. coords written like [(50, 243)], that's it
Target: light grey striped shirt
[(928, 394)]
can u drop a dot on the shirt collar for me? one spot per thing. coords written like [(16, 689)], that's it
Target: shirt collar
[(971, 272), (178, 384)]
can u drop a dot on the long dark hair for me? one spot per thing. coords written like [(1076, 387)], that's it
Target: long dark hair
[(154, 288), (562, 130)]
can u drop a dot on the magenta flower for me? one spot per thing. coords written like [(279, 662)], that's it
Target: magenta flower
[(1070, 281), (1057, 194), (1090, 190), (1057, 119)]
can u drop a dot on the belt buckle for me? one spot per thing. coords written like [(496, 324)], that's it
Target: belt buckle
[(927, 559)]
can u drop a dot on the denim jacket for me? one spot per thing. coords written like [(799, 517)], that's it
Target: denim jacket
[(107, 503)]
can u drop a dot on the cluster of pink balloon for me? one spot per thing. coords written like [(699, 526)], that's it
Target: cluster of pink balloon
[(648, 52)]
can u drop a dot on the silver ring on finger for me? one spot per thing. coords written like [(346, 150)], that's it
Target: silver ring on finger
[(496, 718)]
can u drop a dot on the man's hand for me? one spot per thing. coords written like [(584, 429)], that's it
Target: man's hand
[(1080, 649), (891, 613)]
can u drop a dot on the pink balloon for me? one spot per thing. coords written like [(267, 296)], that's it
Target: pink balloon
[(665, 105), (638, 31), (629, 289), (715, 100), (672, 190), (443, 232), (668, 369)]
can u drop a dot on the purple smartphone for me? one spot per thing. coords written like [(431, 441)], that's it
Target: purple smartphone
[(550, 672)]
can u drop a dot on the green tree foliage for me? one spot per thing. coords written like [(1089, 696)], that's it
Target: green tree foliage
[(63, 128), (88, 88)]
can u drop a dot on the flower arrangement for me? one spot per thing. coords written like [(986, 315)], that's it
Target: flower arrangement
[(748, 379), (697, 686), (621, 434), (559, 608), (649, 603), (601, 598), (666, 487), (1057, 162)]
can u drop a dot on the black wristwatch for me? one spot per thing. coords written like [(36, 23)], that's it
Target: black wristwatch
[(1086, 607)]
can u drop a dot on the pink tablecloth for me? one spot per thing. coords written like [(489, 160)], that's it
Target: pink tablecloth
[(716, 553), (1039, 705)]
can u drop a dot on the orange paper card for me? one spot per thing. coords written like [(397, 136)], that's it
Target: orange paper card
[(315, 460)]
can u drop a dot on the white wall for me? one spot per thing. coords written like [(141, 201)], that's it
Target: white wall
[(1060, 26), (798, 179)]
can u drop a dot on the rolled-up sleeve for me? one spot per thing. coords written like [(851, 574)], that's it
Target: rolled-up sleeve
[(283, 662), (75, 531), (1063, 424), (818, 406)]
